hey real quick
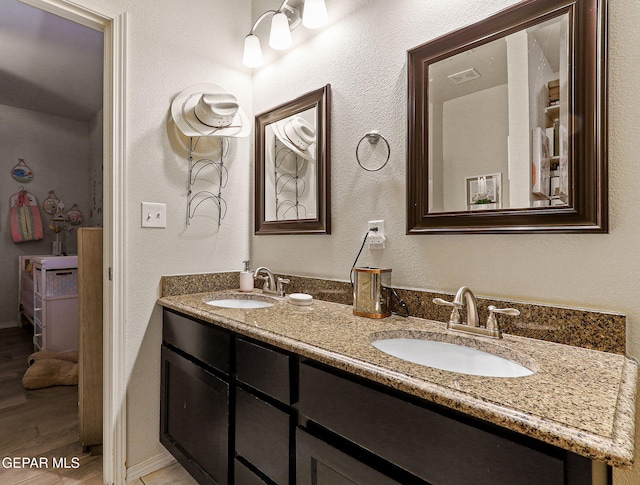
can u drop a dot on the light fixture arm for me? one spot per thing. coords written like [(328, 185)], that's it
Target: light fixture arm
[(261, 18), (271, 12)]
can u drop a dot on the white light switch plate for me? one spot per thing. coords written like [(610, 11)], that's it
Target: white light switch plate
[(154, 215)]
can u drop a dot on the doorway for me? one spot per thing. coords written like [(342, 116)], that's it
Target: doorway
[(112, 22), (51, 113)]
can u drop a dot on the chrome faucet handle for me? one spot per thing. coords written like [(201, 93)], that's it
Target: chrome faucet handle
[(280, 282), (455, 313), (265, 279), (492, 322)]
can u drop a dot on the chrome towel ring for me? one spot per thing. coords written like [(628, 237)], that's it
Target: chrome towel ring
[(373, 137)]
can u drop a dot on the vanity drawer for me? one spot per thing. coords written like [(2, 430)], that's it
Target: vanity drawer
[(198, 339), (264, 369), (428, 441), (262, 436)]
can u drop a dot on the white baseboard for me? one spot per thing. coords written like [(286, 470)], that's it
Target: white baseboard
[(151, 465), (9, 324)]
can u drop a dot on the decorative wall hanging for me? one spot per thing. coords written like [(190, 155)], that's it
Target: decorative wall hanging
[(21, 172), (50, 204), (74, 215), (207, 110), (26, 224)]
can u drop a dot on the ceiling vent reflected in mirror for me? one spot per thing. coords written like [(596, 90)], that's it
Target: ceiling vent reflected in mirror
[(464, 76)]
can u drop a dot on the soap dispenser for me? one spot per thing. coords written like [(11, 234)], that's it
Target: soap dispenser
[(246, 278)]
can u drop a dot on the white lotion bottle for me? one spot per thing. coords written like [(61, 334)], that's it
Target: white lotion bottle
[(246, 278)]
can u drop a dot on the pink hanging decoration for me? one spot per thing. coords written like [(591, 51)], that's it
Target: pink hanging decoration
[(74, 215), (26, 224), (50, 204)]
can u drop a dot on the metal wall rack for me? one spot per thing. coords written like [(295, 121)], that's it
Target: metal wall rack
[(195, 199), (292, 183)]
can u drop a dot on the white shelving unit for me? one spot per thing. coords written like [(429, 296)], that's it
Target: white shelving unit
[(25, 287), (55, 299)]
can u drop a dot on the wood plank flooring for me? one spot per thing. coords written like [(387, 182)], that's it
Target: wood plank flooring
[(40, 424), (43, 424)]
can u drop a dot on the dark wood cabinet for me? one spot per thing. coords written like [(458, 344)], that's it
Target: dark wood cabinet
[(318, 463), (237, 411), (202, 341), (195, 417), (432, 443), (264, 418), (265, 369), (244, 476), (262, 436)]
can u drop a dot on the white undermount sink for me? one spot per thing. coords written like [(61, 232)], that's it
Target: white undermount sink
[(246, 302), (451, 357)]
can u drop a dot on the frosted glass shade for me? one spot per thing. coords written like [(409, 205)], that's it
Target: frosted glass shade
[(280, 37), (252, 56), (314, 14)]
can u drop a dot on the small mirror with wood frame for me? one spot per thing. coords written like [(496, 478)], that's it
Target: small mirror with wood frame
[(292, 166)]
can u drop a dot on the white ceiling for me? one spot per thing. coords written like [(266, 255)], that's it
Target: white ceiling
[(49, 64)]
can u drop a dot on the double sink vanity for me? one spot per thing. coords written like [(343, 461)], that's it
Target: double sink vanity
[(258, 390)]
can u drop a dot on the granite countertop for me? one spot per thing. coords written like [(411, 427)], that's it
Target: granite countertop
[(578, 399)]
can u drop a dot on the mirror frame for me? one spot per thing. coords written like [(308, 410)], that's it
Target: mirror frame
[(321, 100), (588, 199)]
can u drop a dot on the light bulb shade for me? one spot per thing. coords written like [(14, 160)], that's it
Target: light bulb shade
[(314, 14), (280, 37), (252, 56)]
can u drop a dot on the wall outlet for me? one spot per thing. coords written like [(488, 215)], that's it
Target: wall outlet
[(154, 215), (376, 239)]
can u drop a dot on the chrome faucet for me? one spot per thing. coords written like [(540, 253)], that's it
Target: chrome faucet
[(273, 285), (465, 297), (471, 304)]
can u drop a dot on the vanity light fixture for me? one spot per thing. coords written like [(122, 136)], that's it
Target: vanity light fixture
[(283, 21)]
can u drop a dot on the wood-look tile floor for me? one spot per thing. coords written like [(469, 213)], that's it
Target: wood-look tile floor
[(43, 424)]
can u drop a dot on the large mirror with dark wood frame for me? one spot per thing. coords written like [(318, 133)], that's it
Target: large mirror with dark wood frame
[(507, 123), (292, 161)]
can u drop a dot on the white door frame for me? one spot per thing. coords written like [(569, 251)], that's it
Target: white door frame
[(106, 18)]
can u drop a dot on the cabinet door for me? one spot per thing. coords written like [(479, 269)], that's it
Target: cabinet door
[(318, 463), (262, 436), (194, 418)]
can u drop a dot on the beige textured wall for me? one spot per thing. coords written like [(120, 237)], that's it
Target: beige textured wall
[(362, 53), (170, 46)]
